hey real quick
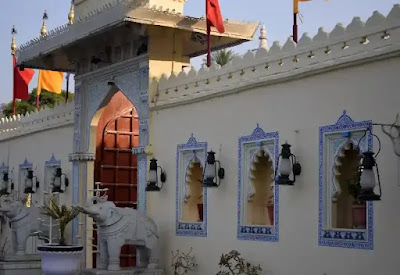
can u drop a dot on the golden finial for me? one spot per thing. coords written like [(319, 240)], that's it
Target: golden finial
[(43, 31), (71, 13), (13, 43)]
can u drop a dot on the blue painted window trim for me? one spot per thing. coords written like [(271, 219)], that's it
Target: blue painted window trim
[(25, 165), (198, 229), (258, 233), (346, 238), (53, 162)]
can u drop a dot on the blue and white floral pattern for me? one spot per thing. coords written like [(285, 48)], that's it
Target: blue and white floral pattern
[(331, 139), (270, 144), (185, 154)]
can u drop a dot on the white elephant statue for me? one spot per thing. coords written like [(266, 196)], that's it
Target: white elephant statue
[(24, 222), (119, 226)]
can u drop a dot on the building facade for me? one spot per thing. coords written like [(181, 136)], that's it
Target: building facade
[(321, 95)]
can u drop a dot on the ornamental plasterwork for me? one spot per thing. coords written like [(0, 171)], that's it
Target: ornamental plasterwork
[(248, 149), (81, 157), (77, 119), (332, 140)]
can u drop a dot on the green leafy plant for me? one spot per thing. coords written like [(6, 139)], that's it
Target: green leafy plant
[(233, 264), (182, 263), (353, 187), (61, 213), (222, 57), (46, 99)]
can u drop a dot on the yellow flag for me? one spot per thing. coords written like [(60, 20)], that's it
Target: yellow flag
[(50, 81), (296, 5)]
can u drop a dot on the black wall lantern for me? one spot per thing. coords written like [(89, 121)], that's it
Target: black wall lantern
[(212, 175), (31, 183), (152, 184), (287, 165), (369, 173), (59, 182), (6, 186)]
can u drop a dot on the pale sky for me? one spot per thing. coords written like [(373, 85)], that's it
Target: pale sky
[(276, 15)]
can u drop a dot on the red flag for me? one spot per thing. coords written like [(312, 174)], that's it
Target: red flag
[(214, 18), (21, 81)]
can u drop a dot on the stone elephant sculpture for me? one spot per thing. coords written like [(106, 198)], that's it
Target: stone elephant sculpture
[(24, 222), (119, 226)]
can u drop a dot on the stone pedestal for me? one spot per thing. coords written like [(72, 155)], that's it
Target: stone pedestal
[(127, 271), (20, 265)]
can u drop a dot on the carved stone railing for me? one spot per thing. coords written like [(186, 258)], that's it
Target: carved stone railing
[(378, 37), (45, 119)]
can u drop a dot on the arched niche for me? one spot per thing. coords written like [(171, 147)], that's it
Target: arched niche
[(258, 199), (340, 145), (190, 195), (193, 203), (347, 211), (260, 205)]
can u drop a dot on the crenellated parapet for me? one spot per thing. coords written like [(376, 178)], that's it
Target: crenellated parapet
[(377, 38), (44, 119)]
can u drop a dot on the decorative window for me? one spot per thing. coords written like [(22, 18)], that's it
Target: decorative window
[(343, 221), (258, 199), (191, 197), (23, 174), (5, 186), (49, 170)]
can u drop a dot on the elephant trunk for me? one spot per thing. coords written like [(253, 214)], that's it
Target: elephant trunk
[(86, 211)]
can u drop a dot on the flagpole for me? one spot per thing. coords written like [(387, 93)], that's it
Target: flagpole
[(39, 87), (13, 52), (13, 103), (37, 99), (295, 27), (208, 37), (66, 95)]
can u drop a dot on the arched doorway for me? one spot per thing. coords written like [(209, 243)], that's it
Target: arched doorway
[(115, 167)]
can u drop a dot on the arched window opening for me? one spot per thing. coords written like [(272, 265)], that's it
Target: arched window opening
[(347, 211), (193, 203), (260, 205)]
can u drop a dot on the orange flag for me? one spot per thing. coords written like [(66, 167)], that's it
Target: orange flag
[(296, 5), (50, 81)]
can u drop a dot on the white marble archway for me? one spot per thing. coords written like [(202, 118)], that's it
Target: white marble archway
[(93, 92)]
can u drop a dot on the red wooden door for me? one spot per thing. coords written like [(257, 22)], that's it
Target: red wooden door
[(116, 167)]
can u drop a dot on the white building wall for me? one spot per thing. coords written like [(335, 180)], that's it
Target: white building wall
[(37, 137), (296, 109)]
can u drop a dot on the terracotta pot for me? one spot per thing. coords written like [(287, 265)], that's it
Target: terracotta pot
[(271, 213), (359, 216), (200, 209), (60, 260)]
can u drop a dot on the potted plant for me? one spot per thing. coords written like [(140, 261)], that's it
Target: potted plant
[(183, 263), (60, 258), (358, 213), (233, 264)]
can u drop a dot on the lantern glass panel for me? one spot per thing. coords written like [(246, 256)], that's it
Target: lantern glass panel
[(367, 180), (285, 167), (28, 183), (153, 176), (210, 171)]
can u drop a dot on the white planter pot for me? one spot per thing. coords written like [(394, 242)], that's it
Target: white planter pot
[(60, 260)]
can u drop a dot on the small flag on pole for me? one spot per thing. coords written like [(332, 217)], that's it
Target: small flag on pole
[(50, 81), (21, 78), (296, 5), (21, 81), (295, 13), (214, 18)]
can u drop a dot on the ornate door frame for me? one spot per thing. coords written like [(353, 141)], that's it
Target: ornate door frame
[(92, 92)]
